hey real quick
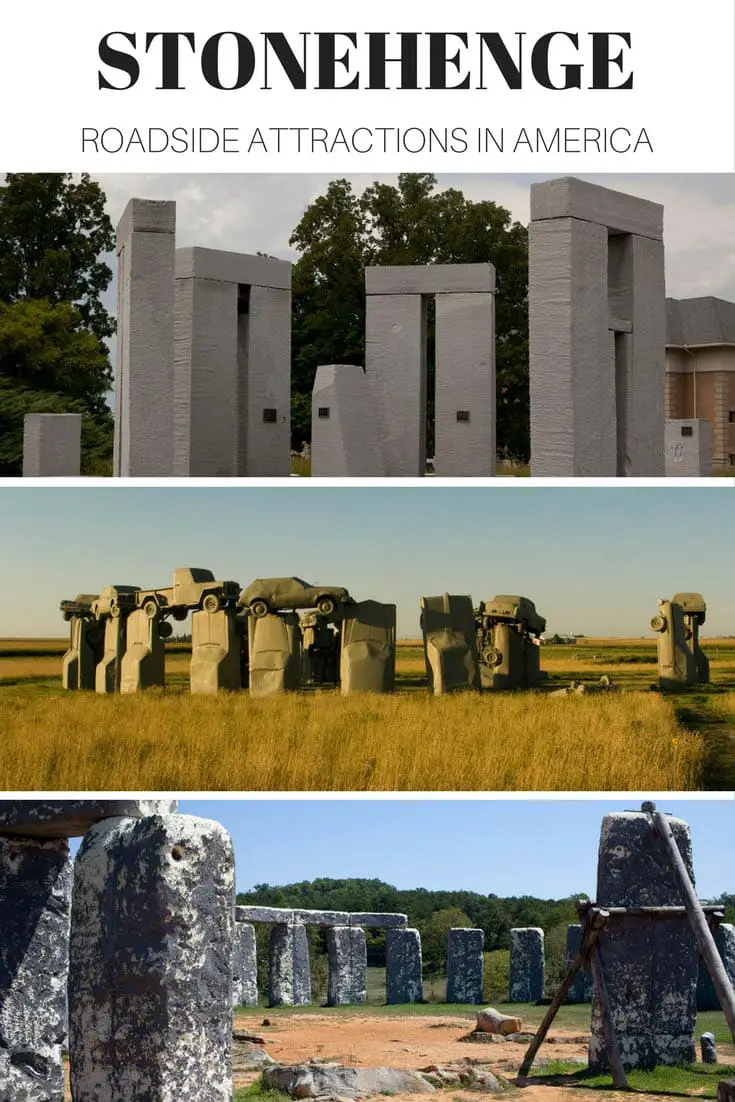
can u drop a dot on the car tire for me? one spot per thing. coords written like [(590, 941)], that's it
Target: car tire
[(211, 603), (658, 623), (115, 612), (150, 607), (326, 606), (259, 608)]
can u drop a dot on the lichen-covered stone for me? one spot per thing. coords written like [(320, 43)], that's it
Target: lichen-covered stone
[(526, 972), (331, 1081), (725, 942), (581, 989), (150, 975), (35, 905), (464, 965), (244, 966), (709, 1048), (289, 970), (385, 919), (71, 818), (281, 916), (650, 965), (347, 957), (403, 966)]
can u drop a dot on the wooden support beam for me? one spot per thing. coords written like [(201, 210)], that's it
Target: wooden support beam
[(620, 1079)]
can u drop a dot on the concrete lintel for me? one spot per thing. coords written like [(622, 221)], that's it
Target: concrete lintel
[(280, 916), (618, 325), (430, 279), (228, 267), (386, 920), (569, 197), (146, 216), (323, 918)]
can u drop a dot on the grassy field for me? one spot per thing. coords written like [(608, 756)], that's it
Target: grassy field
[(166, 739)]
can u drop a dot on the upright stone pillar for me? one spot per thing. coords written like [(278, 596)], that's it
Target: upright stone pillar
[(35, 904), (450, 645), (85, 651), (464, 966), (725, 942), (368, 658), (581, 989), (347, 956), (144, 386), (289, 969), (345, 428), (52, 445), (677, 664), (597, 331), (244, 966), (108, 671), (650, 965), (274, 646), (526, 974), (142, 665), (215, 652), (150, 978), (403, 966)]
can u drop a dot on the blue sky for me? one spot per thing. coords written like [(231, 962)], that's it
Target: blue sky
[(508, 847), (594, 560)]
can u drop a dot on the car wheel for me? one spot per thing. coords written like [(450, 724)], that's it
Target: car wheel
[(326, 606), (165, 630), (150, 607), (115, 611), (259, 609), (658, 623), (211, 603)]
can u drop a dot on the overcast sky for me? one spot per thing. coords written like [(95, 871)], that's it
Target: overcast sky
[(258, 213)]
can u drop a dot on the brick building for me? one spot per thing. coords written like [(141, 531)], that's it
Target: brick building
[(700, 370)]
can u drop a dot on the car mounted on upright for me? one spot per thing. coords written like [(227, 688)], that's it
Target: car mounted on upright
[(193, 588), (80, 606), (266, 595), (114, 600)]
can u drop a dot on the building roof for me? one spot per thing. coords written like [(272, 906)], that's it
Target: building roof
[(693, 322)]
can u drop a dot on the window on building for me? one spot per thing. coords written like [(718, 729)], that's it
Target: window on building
[(463, 415), (687, 430), (270, 416), (324, 412)]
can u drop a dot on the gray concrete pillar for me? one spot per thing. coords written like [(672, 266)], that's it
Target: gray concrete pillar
[(403, 966), (264, 342), (35, 904), (395, 366), (465, 966), (725, 942), (347, 956), (150, 977), (650, 966), (289, 969), (526, 972), (244, 966), (581, 989), (215, 652), (464, 433), (52, 445), (345, 428), (142, 664), (144, 384)]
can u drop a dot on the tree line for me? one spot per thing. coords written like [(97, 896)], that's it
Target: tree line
[(56, 240)]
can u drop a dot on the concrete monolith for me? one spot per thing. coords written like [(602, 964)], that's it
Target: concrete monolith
[(215, 652), (143, 663), (368, 658), (464, 965), (347, 955), (244, 966), (403, 966), (526, 972), (289, 969)]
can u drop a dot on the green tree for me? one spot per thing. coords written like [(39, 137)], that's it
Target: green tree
[(408, 223), (434, 937), (53, 325)]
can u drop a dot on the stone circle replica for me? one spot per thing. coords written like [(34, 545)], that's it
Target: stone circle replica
[(203, 382)]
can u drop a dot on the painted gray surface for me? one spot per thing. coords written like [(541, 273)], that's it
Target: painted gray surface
[(150, 977), (347, 958), (526, 971), (450, 644), (571, 354), (368, 648), (79, 664), (274, 647), (464, 965), (289, 970), (142, 665), (206, 378), (35, 904), (215, 652), (430, 279), (52, 445), (107, 674), (395, 366), (650, 966), (403, 966), (72, 818), (725, 942), (247, 269), (690, 455), (465, 385), (699, 322), (569, 197), (344, 444), (144, 384), (264, 370), (244, 965), (581, 989)]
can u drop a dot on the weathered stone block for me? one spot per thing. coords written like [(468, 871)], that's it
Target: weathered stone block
[(347, 956), (709, 1048), (71, 818), (244, 966), (581, 989), (289, 970), (395, 366), (403, 966), (345, 431), (322, 918), (386, 919), (650, 965), (725, 942), (464, 965), (35, 904), (150, 987), (282, 916), (52, 445), (526, 974), (215, 652)]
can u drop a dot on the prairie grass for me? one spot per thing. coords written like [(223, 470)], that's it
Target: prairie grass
[(321, 741)]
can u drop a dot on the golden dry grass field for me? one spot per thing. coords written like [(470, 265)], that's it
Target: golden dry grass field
[(410, 740)]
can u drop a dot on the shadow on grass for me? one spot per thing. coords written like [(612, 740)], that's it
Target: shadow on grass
[(695, 713), (691, 1081)]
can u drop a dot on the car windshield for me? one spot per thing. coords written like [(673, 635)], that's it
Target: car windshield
[(301, 582)]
